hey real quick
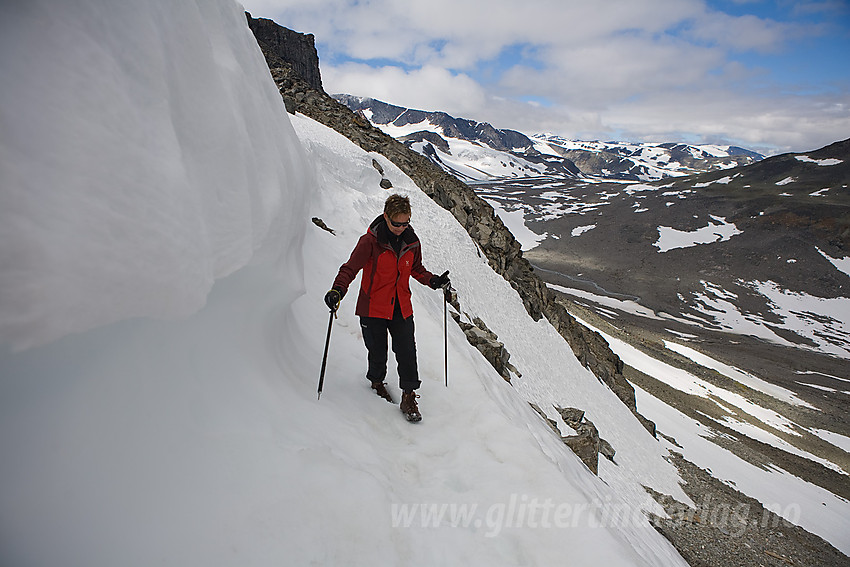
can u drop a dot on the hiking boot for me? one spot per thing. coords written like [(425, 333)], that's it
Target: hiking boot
[(409, 408), (381, 389)]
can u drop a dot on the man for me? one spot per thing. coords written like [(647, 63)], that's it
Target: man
[(389, 253)]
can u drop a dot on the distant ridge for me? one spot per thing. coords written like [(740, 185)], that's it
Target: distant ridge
[(480, 152)]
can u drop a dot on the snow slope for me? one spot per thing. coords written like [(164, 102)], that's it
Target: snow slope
[(143, 155), (162, 327)]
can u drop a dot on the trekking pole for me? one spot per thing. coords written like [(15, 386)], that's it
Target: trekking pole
[(446, 332), (325, 356)]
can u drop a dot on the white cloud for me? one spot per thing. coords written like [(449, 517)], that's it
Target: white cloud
[(639, 68), (429, 87), (742, 32), (596, 75)]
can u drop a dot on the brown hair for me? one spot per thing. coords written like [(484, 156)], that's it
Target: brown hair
[(397, 205)]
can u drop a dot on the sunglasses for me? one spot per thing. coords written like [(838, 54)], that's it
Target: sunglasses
[(399, 224)]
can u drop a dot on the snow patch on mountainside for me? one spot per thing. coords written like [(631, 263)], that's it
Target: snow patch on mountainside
[(738, 375), (827, 161), (670, 238), (475, 162), (841, 264), (515, 221), (798, 501)]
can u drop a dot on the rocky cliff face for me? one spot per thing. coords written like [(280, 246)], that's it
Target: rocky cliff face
[(282, 47), (498, 245)]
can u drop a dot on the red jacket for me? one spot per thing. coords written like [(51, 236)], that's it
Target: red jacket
[(385, 274)]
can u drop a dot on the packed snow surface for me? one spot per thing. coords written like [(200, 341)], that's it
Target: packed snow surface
[(162, 327), (143, 156)]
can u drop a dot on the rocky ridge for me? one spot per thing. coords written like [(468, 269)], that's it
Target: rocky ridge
[(383, 113)]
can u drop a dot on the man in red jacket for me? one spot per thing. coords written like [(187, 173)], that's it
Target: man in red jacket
[(389, 253)]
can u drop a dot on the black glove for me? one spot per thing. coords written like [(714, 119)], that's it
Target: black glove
[(333, 297), (440, 281)]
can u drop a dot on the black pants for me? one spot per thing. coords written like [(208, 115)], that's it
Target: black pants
[(404, 346)]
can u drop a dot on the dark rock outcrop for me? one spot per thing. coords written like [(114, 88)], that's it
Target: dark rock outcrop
[(478, 218), (487, 342), (425, 136), (321, 224), (586, 443), (284, 46)]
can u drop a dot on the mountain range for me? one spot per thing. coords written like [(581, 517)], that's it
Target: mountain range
[(476, 151)]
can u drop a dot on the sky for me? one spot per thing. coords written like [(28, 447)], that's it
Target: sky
[(768, 75)]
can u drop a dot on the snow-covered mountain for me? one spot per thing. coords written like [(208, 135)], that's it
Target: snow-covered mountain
[(477, 151), (628, 161), (162, 325)]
